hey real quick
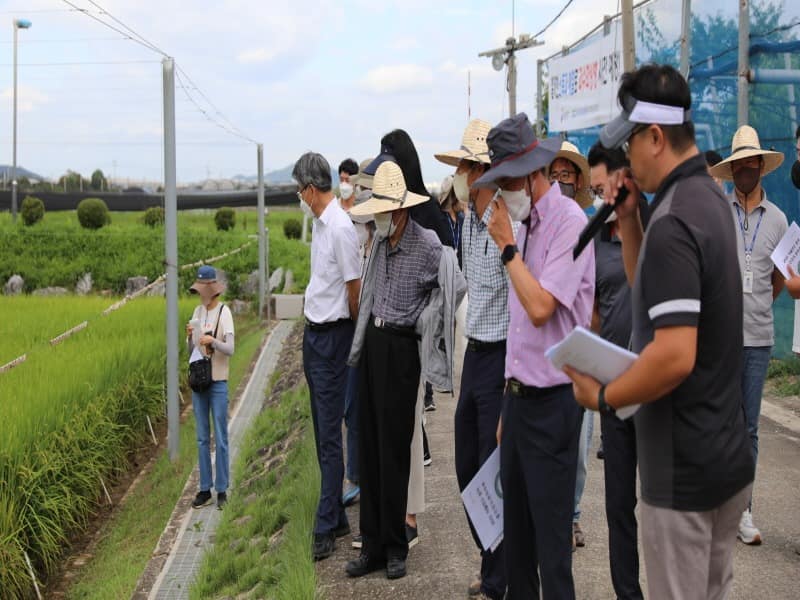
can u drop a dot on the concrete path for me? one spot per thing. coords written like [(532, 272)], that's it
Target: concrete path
[(446, 559), (197, 527)]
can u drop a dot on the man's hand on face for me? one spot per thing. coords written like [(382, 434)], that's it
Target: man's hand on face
[(500, 225), (616, 180)]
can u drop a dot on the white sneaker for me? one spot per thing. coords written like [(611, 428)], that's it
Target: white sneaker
[(748, 533)]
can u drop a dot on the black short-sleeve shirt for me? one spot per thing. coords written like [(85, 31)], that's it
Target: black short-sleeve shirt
[(694, 453)]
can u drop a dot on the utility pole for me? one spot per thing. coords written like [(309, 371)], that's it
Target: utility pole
[(742, 88), (628, 39), (506, 55), (261, 236), (686, 37), (17, 24), (171, 258)]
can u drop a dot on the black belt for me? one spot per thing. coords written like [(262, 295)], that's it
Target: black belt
[(403, 330), (474, 345), (521, 390), (327, 326)]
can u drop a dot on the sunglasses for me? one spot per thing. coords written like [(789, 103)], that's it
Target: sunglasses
[(626, 145)]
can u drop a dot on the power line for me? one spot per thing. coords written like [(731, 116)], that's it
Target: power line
[(137, 34), (90, 14), (82, 62), (27, 41), (546, 27)]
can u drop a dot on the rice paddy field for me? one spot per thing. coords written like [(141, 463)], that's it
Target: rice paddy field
[(72, 413)]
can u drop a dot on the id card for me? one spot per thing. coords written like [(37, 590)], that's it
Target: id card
[(747, 282)]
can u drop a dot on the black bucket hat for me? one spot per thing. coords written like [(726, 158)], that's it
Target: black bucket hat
[(515, 151)]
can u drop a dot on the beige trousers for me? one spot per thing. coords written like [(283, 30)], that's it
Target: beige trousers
[(689, 555)]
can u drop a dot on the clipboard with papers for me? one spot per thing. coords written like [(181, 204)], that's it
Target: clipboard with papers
[(591, 354)]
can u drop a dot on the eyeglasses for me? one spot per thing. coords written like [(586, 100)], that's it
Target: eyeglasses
[(597, 192), (562, 176), (626, 145), (301, 190)]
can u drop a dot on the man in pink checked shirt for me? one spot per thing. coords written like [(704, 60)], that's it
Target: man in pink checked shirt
[(549, 296)]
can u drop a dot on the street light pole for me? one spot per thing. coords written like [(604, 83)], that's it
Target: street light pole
[(17, 24), (507, 56)]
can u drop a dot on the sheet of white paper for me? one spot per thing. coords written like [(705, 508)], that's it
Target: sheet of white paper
[(787, 252), (591, 354), (483, 499), (196, 355)]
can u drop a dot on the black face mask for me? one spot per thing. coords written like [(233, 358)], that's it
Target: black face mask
[(796, 174), (567, 189), (746, 179)]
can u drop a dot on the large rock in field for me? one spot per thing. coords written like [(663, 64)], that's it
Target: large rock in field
[(238, 306), (276, 279), (250, 287), (158, 289), (14, 286), (134, 284), (84, 285), (50, 291), (288, 286)]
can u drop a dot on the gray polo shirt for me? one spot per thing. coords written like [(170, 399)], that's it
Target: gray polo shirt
[(766, 226)]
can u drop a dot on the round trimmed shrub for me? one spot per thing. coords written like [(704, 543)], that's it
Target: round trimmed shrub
[(93, 213), (154, 216), (292, 229), (32, 210), (225, 218)]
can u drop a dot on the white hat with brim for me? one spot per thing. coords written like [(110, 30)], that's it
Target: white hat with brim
[(473, 145), (745, 144), (361, 178), (571, 153), (389, 192)]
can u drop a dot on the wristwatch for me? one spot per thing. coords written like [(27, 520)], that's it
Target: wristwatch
[(508, 253), (602, 407)]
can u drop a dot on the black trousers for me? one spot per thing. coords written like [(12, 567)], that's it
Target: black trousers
[(477, 413), (538, 462), (619, 445), (389, 373)]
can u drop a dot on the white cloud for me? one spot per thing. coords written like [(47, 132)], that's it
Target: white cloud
[(394, 79), (256, 55)]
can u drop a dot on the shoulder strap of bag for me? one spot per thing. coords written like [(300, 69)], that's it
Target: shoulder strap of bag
[(216, 327)]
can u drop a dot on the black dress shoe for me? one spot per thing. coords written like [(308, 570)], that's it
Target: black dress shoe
[(324, 545), (363, 565), (395, 568)]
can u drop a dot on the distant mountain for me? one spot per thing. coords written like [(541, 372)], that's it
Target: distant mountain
[(283, 175), (5, 173)]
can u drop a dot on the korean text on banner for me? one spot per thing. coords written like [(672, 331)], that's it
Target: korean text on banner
[(584, 83)]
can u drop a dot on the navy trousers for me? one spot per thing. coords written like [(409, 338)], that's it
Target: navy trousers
[(324, 363), (477, 413), (619, 445), (538, 463)]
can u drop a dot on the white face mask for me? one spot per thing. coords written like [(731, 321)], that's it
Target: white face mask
[(362, 232), (384, 225), (461, 187), (345, 190), (518, 204), (306, 209)]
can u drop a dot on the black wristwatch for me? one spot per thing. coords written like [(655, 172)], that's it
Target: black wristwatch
[(602, 407), (508, 253)]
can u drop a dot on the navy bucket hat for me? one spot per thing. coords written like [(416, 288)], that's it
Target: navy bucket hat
[(515, 151)]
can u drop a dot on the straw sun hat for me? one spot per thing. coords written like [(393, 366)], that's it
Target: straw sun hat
[(745, 144), (473, 145), (389, 192), (571, 153)]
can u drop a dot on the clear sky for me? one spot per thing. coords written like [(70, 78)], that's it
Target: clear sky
[(296, 75)]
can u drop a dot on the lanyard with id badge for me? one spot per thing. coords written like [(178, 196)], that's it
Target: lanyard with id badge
[(747, 276)]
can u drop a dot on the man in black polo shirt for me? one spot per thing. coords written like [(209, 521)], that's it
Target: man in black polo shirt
[(695, 463)]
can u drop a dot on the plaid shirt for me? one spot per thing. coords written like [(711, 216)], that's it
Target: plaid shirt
[(405, 275), (487, 281)]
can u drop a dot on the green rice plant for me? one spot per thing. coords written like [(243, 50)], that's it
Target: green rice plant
[(72, 414)]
